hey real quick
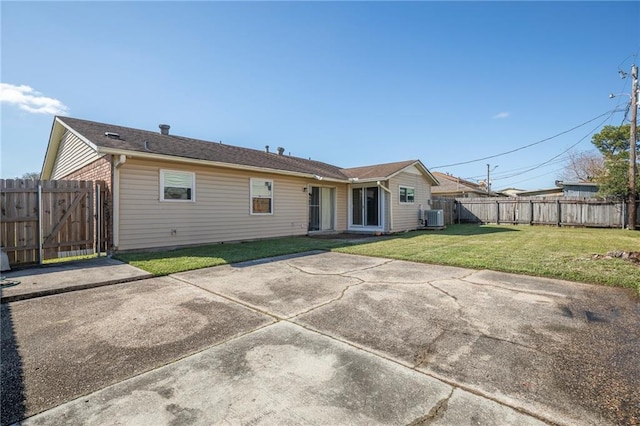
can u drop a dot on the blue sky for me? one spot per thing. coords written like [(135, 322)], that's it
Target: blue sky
[(347, 83)]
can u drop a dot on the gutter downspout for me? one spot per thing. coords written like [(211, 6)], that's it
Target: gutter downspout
[(387, 190), (116, 199)]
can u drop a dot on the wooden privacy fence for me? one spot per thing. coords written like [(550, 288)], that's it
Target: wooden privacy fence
[(50, 219), (535, 211)]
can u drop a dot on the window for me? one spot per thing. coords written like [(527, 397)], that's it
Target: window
[(177, 186), (261, 196), (407, 194)]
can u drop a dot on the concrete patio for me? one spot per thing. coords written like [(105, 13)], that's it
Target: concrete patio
[(325, 338)]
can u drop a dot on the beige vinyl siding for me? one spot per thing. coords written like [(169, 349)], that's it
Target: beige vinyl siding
[(405, 215), (342, 206), (220, 213), (73, 154)]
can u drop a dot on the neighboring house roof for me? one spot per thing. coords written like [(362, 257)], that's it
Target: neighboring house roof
[(511, 192), (117, 140), (561, 183), (548, 192), (454, 185)]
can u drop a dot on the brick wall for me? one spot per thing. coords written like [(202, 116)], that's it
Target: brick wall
[(100, 170)]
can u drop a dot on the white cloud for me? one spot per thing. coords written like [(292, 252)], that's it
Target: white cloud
[(501, 115), (27, 99)]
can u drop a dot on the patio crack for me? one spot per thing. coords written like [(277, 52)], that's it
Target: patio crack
[(340, 274), (443, 291), (516, 290), (499, 339), (232, 299), (436, 413), (425, 353), (328, 302)]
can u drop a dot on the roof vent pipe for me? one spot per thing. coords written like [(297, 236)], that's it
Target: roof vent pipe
[(280, 150), (266, 148), (164, 129)]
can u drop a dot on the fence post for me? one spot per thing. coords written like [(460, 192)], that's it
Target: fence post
[(531, 216), (497, 212), (40, 257), (98, 220), (559, 218)]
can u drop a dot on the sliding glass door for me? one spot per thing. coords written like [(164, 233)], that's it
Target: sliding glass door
[(365, 206), (321, 208)]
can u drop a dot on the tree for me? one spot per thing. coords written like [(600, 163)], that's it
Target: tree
[(31, 176), (613, 144), (613, 140), (583, 167)]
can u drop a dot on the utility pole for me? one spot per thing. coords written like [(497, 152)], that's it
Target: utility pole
[(488, 181), (632, 148), (489, 177)]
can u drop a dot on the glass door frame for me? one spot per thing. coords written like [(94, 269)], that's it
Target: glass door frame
[(321, 207), (363, 211)]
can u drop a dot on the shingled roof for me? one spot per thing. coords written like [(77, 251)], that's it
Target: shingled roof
[(453, 184), (378, 171), (113, 139), (147, 142)]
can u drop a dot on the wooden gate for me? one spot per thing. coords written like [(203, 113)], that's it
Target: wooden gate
[(50, 219)]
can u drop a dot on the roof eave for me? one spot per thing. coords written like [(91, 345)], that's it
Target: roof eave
[(58, 129), (420, 167), (173, 158)]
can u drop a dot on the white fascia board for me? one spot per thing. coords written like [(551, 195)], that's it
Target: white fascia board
[(82, 138), (171, 158), (368, 180), (52, 150), (420, 167), (57, 132)]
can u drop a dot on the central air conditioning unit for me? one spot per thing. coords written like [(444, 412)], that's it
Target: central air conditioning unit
[(433, 218)]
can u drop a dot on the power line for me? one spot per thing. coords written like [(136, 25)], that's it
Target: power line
[(565, 151), (535, 177), (538, 166), (508, 173), (527, 146)]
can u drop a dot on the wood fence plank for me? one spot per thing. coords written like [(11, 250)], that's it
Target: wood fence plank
[(66, 218), (534, 211)]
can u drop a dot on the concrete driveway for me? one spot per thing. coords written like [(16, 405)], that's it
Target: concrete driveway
[(325, 338)]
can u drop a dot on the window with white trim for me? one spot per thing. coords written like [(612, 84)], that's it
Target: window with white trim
[(407, 194), (177, 186), (261, 196)]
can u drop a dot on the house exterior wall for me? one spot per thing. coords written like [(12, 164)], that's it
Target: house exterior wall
[(99, 169), (220, 212), (405, 215), (342, 206), (73, 154), (582, 191)]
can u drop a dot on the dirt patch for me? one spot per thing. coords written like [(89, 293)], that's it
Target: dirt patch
[(631, 256)]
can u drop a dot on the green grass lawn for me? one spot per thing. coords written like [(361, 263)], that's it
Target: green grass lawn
[(185, 259), (564, 253)]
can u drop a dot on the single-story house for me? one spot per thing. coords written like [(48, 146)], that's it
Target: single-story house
[(454, 187), (578, 189), (545, 192), (170, 191), (511, 192)]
